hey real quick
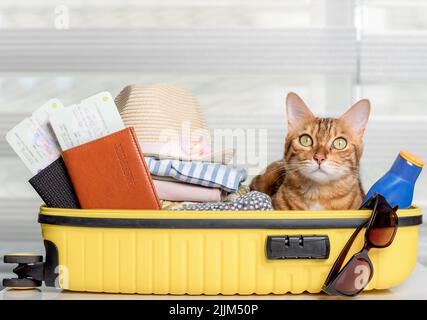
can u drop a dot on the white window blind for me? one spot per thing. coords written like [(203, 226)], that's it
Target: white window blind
[(240, 58)]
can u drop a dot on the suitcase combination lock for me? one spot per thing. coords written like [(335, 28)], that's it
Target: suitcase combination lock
[(298, 247)]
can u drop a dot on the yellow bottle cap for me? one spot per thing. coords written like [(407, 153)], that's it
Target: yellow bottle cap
[(412, 158)]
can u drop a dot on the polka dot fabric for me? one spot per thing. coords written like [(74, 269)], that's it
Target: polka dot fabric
[(253, 200)]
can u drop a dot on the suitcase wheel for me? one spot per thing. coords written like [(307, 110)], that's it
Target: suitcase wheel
[(21, 284), (22, 258), (30, 270)]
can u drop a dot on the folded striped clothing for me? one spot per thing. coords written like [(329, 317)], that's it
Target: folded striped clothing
[(214, 175)]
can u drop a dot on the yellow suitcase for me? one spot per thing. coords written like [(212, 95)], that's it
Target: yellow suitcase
[(170, 252)]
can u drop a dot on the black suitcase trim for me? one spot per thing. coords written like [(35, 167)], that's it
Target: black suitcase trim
[(215, 223)]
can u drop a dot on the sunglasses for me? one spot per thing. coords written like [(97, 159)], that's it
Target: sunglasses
[(358, 271)]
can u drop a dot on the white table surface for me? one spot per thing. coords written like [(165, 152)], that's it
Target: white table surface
[(415, 287)]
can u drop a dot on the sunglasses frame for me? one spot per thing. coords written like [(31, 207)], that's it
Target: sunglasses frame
[(336, 270)]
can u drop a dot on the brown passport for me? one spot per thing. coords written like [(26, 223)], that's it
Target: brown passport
[(111, 173)]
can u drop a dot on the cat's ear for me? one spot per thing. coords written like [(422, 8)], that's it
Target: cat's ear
[(296, 110), (357, 116)]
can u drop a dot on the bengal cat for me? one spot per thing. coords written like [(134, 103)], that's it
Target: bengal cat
[(320, 168)]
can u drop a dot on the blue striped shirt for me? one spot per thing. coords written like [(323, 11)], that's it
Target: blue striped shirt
[(213, 175)]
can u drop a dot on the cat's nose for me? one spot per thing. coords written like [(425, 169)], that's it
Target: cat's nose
[(319, 158)]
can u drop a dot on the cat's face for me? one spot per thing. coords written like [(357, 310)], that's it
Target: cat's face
[(324, 149)]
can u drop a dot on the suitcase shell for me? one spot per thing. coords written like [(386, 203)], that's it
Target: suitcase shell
[(170, 252)]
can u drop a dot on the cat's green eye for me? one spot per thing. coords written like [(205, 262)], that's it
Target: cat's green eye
[(339, 143), (306, 140)]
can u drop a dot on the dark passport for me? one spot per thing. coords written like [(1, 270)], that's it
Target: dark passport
[(54, 186)]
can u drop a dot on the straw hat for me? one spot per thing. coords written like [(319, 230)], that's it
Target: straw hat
[(169, 123)]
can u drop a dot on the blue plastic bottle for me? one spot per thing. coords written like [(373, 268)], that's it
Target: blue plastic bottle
[(397, 185)]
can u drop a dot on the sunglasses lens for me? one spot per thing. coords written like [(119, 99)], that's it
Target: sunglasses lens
[(383, 228), (354, 277)]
